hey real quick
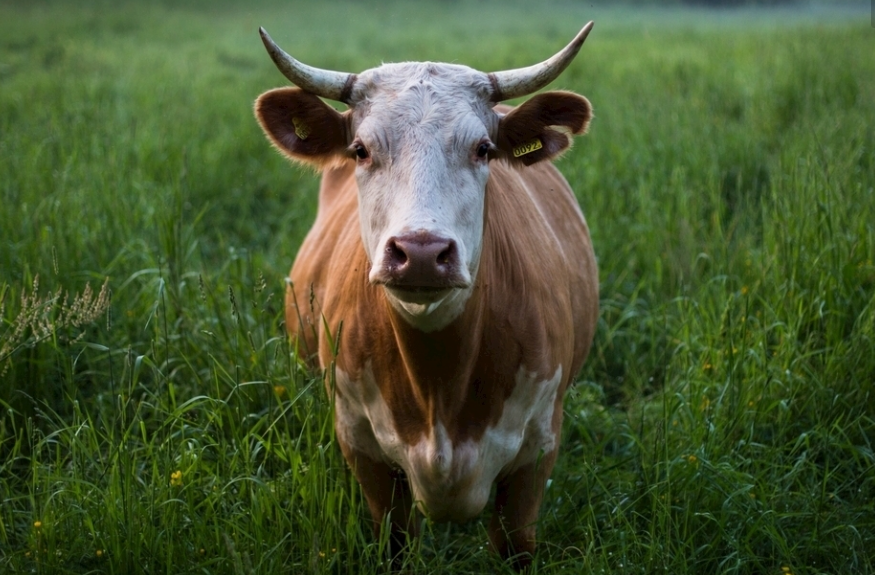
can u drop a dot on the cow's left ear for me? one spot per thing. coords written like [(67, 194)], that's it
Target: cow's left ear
[(304, 127), (542, 127)]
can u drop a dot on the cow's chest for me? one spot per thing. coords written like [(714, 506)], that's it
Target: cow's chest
[(450, 480)]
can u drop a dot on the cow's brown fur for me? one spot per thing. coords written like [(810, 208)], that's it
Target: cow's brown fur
[(534, 304)]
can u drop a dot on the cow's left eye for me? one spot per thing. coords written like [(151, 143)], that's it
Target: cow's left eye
[(360, 151), (483, 150)]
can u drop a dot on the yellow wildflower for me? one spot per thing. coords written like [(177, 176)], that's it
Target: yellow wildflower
[(37, 524), (279, 390), (176, 478)]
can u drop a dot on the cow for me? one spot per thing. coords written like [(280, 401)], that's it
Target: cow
[(449, 280)]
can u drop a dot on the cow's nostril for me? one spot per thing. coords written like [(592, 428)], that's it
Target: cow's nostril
[(447, 255), (395, 255)]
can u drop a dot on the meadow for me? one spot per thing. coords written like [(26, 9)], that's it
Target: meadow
[(155, 418)]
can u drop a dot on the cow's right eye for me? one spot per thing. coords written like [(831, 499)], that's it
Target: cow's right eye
[(360, 151)]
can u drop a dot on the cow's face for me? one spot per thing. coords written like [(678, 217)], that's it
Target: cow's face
[(421, 136)]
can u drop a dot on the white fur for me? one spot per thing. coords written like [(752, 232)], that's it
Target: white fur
[(451, 482), (421, 124)]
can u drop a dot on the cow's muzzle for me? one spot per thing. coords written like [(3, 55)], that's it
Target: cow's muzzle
[(420, 263)]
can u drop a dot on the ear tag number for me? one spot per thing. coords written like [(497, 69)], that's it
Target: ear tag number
[(302, 130), (527, 148)]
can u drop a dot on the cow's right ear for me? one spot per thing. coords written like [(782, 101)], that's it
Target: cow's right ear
[(304, 127)]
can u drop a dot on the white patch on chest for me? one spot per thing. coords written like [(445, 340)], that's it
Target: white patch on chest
[(450, 482)]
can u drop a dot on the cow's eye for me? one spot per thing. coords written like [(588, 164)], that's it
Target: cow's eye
[(483, 149), (360, 151)]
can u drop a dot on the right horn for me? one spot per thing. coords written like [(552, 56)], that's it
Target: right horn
[(510, 84), (326, 83)]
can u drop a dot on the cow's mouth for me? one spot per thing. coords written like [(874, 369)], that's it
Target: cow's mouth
[(419, 294), (418, 289)]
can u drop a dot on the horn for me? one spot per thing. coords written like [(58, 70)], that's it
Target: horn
[(509, 84), (326, 83)]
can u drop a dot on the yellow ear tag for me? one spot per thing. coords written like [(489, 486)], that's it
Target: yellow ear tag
[(302, 130), (528, 148)]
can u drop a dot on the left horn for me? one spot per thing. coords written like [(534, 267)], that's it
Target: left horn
[(326, 83), (524, 81)]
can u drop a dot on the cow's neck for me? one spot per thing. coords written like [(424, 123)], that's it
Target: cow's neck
[(439, 364)]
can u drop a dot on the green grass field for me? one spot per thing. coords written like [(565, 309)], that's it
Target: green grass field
[(155, 420)]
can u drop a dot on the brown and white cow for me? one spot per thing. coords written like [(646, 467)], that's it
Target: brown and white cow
[(457, 261)]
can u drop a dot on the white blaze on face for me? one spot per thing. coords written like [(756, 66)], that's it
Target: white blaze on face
[(421, 126)]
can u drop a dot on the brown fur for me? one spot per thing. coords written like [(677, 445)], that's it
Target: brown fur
[(531, 306)]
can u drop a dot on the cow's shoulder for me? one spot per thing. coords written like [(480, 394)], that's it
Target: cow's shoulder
[(334, 237), (539, 263)]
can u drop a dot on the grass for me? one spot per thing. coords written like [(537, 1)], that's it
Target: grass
[(723, 423)]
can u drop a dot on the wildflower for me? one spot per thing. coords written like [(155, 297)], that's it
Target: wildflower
[(202, 551), (692, 458), (744, 290), (279, 390), (99, 553), (322, 554), (37, 524), (176, 478)]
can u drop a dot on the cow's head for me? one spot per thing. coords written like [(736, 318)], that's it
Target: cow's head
[(422, 136)]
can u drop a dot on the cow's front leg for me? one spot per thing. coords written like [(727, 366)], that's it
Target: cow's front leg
[(388, 494), (517, 501)]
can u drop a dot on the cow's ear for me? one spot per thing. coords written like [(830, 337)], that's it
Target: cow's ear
[(304, 127), (542, 127)]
